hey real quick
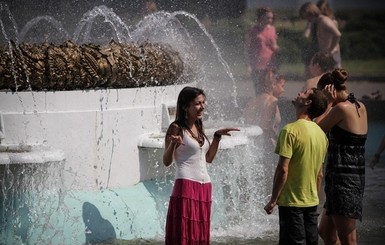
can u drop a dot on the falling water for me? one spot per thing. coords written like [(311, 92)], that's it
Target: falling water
[(36, 22), (85, 25), (9, 32), (30, 195), (219, 53), (166, 27), (6, 15)]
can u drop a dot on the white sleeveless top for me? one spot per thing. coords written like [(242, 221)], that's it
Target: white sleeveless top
[(190, 160)]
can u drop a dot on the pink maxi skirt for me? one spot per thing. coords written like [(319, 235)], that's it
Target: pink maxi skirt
[(189, 211)]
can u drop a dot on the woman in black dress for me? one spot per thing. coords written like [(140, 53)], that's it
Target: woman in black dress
[(346, 124)]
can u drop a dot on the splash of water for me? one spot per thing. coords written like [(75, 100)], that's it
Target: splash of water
[(8, 36), (166, 27), (63, 34), (30, 195), (221, 59), (241, 181), (83, 28), (239, 176), (5, 14), (159, 27)]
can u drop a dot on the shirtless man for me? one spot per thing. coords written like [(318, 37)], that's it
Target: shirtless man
[(326, 35), (319, 65)]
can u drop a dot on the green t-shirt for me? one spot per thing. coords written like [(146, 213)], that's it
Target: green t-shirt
[(305, 144)]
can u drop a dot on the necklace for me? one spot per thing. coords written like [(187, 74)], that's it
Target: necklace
[(198, 138)]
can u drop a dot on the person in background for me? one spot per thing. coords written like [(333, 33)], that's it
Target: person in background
[(324, 34), (263, 110), (377, 155), (346, 123), (149, 7), (319, 64), (186, 144), (301, 147), (261, 45), (326, 10)]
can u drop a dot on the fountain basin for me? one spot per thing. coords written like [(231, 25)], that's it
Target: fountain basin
[(151, 146), (29, 154), (97, 132), (112, 140), (247, 132), (96, 129)]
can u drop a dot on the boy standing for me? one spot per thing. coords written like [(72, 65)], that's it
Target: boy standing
[(301, 147)]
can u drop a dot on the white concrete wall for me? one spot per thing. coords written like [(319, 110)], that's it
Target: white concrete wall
[(98, 130)]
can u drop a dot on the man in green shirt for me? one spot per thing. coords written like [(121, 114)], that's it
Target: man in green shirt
[(301, 147)]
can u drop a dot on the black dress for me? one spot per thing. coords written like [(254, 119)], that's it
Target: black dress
[(345, 173)]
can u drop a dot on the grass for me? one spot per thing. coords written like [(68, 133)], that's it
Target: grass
[(355, 26), (370, 69), (366, 68)]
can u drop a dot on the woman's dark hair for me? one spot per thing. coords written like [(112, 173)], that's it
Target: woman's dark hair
[(261, 12), (265, 79), (185, 97), (319, 103), (337, 78), (309, 9), (325, 61), (325, 8)]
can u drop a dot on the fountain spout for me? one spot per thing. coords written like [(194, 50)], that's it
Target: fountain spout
[(168, 114)]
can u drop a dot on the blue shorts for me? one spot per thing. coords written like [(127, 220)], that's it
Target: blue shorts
[(298, 225)]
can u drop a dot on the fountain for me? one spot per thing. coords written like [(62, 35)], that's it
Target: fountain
[(100, 111)]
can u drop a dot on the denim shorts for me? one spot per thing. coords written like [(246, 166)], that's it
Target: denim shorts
[(298, 225)]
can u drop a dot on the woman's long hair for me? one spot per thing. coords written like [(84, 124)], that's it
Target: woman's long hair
[(186, 96), (265, 80), (262, 12)]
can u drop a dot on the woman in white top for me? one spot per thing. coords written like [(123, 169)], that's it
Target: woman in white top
[(189, 211)]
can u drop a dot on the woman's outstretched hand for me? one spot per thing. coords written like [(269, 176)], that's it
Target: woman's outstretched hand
[(215, 143), (225, 131)]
